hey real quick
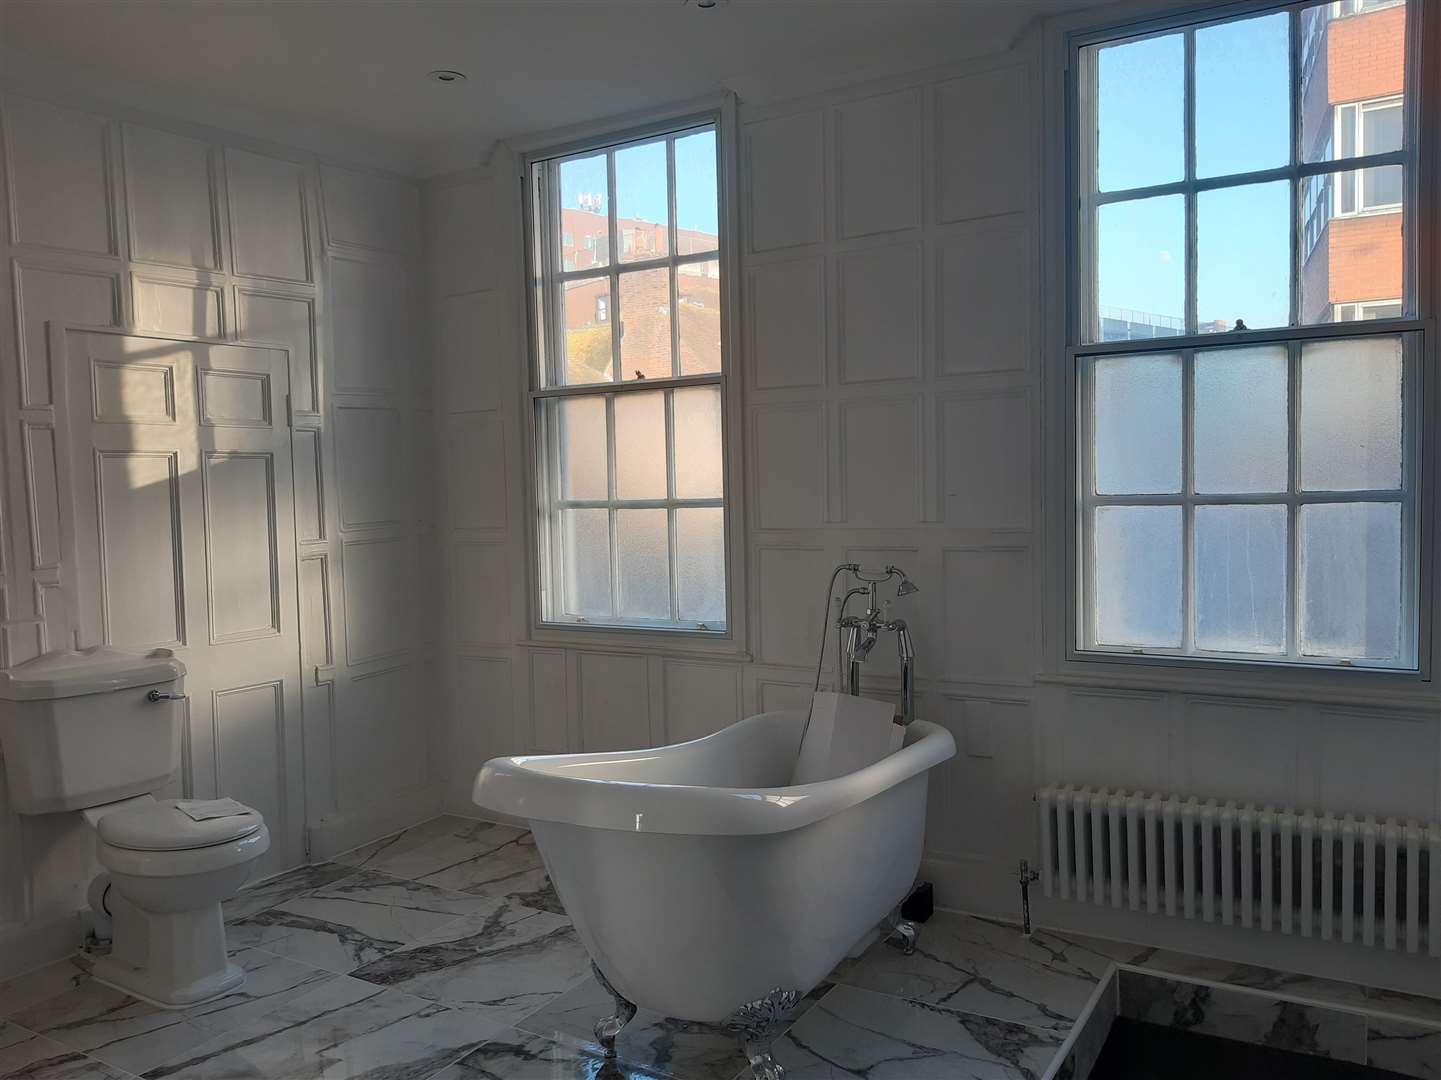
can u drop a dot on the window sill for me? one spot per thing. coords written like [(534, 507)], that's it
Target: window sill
[(1412, 695), (671, 644)]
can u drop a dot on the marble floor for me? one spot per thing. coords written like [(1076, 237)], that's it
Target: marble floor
[(443, 953)]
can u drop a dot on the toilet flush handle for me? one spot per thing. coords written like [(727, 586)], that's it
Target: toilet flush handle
[(156, 695)]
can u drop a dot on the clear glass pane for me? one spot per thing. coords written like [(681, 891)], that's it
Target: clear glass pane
[(1243, 95), (584, 213), (580, 428), (640, 467), (698, 463), (645, 324), (698, 301), (1241, 578), (1351, 580), (642, 202), (587, 331), (697, 219), (1241, 420), (1353, 58), (1141, 290), (1352, 245), (1137, 424), (585, 540), (1139, 113), (642, 541), (1243, 257), (1350, 438), (1136, 595), (700, 571)]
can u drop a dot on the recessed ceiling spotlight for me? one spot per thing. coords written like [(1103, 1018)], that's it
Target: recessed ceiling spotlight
[(705, 5), (445, 75)]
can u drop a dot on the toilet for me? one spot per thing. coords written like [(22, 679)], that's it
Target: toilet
[(98, 731)]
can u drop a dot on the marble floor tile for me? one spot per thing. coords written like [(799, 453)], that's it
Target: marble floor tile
[(343, 1029), (650, 1042), (360, 918), (31, 989), (518, 1055), (1410, 1049), (1308, 987), (432, 847), (991, 969), (130, 1034), (860, 1033), (1242, 1015), (501, 971), (277, 890), (510, 868), (25, 1055)]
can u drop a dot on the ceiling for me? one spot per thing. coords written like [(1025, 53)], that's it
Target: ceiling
[(348, 76)]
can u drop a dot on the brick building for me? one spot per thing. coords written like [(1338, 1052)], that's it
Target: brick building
[(1353, 68)]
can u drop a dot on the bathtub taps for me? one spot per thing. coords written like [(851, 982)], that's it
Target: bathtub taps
[(857, 634)]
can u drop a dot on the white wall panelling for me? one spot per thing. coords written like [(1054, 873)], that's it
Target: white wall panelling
[(226, 241)]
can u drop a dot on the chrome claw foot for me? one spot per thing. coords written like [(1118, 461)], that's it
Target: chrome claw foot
[(904, 934), (608, 1027), (756, 1025)]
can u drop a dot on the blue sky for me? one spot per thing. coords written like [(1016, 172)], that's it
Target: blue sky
[(640, 181), (1242, 124)]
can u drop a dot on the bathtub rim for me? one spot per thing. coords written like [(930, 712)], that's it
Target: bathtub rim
[(525, 786)]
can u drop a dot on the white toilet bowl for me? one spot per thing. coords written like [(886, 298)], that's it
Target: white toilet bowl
[(167, 877)]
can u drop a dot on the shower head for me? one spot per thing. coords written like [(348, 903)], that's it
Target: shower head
[(906, 587)]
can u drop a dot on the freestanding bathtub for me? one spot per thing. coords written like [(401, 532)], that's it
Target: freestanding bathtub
[(699, 882)]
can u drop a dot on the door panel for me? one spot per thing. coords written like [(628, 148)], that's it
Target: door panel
[(184, 536)]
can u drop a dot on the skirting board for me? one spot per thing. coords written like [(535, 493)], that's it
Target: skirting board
[(27, 946), (982, 886), (341, 832)]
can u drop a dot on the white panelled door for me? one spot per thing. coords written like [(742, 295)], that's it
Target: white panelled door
[(184, 537)]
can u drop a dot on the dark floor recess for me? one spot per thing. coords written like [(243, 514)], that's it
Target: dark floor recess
[(1137, 1051)]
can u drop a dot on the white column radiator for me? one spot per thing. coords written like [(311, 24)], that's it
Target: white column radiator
[(1316, 875)]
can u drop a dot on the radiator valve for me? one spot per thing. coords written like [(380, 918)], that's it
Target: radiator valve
[(1024, 878)]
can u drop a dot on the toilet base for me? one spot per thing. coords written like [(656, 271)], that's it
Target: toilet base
[(139, 983)]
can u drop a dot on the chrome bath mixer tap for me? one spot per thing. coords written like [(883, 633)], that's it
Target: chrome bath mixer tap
[(856, 635)]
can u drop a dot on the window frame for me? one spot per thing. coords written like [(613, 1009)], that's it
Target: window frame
[(539, 231), (1080, 309)]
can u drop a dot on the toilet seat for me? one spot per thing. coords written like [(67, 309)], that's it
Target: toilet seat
[(183, 862), (162, 826)]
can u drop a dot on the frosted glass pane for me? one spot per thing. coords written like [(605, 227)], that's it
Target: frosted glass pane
[(1242, 420), (701, 565), (699, 311), (1351, 580), (581, 430), (697, 215), (1141, 283), (1139, 113), (584, 215), (645, 324), (642, 204), (1243, 257), (1351, 415), (1241, 578), (643, 556), (1243, 95), (588, 341), (640, 446), (1136, 597), (698, 472), (585, 535), (1137, 424)]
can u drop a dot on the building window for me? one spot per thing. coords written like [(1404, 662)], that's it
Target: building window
[(628, 385), (1247, 466)]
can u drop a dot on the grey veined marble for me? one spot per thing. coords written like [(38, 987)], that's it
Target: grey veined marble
[(361, 918), (975, 965), (501, 971), (859, 1033), (521, 1056)]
